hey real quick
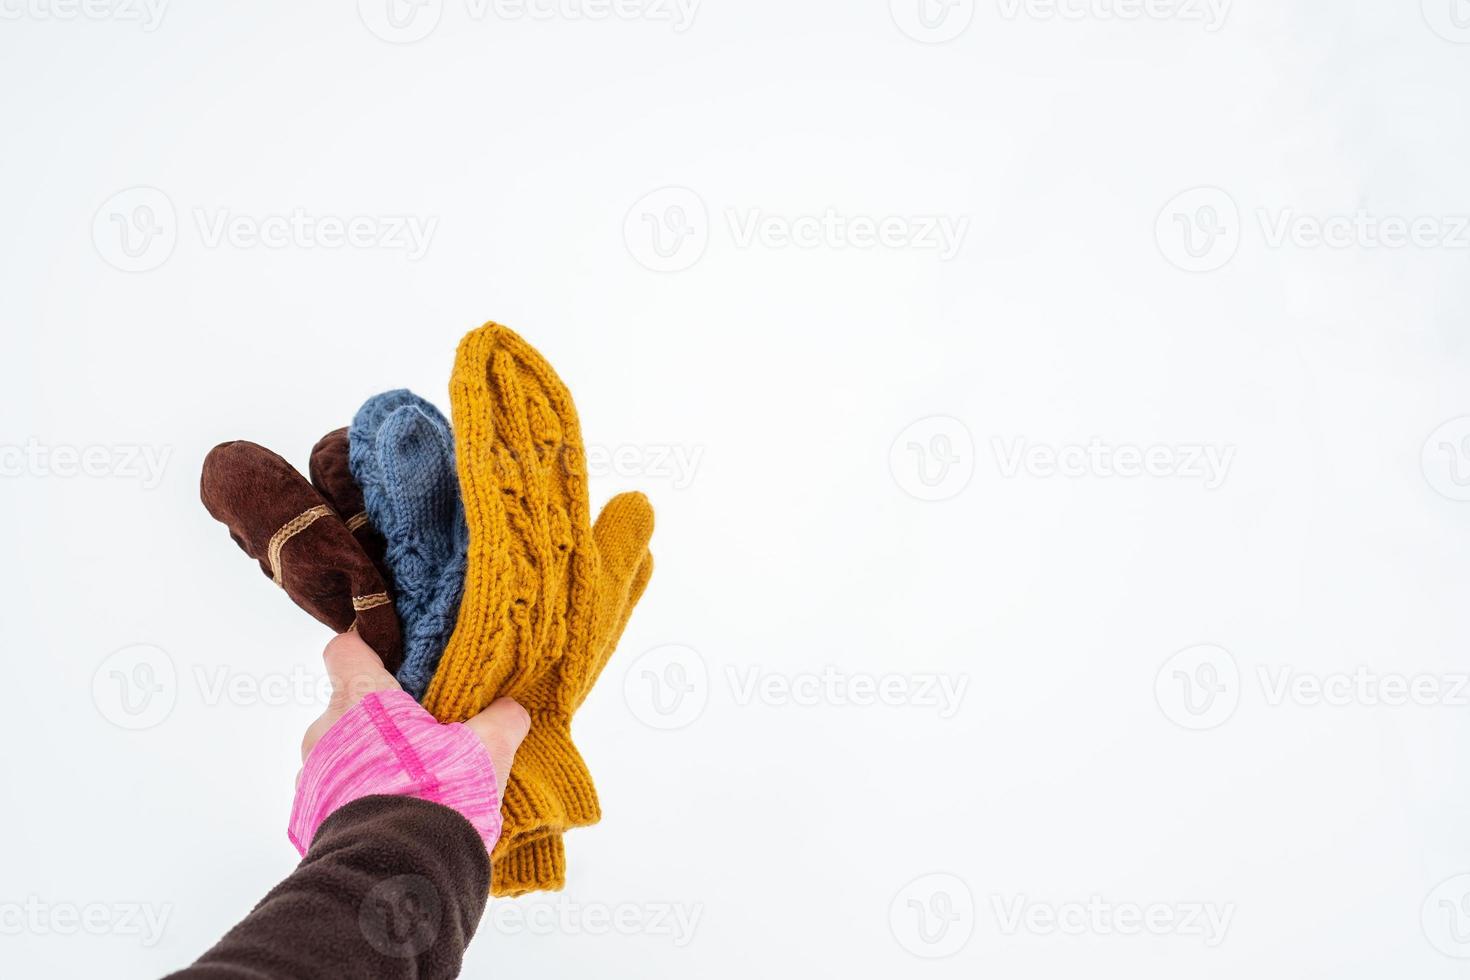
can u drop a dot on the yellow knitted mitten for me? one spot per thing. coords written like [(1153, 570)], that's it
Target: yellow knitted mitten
[(532, 865), (546, 593)]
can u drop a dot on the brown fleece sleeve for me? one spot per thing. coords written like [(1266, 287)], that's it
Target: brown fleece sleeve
[(392, 886)]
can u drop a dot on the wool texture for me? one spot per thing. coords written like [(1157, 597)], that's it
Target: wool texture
[(546, 594), (301, 543), (401, 455)]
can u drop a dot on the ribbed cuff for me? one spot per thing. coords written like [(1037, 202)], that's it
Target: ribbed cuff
[(550, 787), (529, 865)]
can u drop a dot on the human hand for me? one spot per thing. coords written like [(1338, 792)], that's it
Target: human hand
[(368, 748)]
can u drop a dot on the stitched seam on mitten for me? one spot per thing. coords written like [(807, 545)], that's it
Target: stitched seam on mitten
[(407, 757)]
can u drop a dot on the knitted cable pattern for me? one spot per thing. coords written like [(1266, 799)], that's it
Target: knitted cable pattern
[(546, 593), (401, 454)]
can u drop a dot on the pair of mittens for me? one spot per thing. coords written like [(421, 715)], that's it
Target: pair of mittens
[(401, 455), (546, 595), (311, 538)]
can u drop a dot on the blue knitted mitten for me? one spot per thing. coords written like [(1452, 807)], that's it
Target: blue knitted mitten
[(401, 452)]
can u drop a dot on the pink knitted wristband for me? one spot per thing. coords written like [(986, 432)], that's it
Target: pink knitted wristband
[(388, 744)]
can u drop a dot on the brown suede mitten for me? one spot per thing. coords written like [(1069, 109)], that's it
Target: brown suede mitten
[(302, 544), (333, 479)]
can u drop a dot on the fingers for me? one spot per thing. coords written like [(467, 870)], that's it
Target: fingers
[(501, 728), (355, 670), (314, 733)]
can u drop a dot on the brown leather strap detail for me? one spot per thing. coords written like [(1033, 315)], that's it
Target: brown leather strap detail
[(288, 531)]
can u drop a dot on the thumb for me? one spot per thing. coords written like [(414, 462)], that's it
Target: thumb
[(501, 728), (355, 672)]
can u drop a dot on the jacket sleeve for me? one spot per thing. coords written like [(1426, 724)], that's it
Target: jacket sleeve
[(391, 886)]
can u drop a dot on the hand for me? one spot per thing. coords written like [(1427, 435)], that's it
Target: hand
[(356, 671)]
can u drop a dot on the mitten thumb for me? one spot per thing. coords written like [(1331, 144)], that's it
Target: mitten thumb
[(622, 533)]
